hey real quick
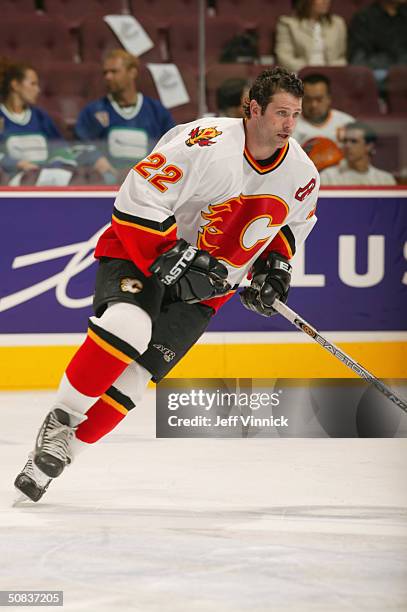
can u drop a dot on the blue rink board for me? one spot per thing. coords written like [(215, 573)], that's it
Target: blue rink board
[(34, 299)]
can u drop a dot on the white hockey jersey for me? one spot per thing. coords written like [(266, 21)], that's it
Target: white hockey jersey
[(202, 184)]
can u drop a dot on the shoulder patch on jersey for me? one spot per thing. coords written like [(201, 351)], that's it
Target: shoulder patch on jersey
[(202, 137), (103, 118), (303, 192)]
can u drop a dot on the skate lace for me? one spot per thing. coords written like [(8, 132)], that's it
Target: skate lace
[(57, 438), (33, 472)]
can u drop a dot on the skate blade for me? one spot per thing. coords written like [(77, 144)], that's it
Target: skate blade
[(21, 500)]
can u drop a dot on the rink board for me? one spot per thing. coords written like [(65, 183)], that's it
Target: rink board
[(350, 282)]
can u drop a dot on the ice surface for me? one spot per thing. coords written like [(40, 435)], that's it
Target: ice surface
[(139, 524)]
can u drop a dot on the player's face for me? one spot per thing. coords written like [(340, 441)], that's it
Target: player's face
[(28, 88), (117, 76), (277, 123), (316, 103), (354, 145)]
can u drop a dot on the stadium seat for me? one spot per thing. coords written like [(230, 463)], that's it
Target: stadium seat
[(32, 37), (254, 10), (184, 38), (163, 10), (218, 73), (96, 38), (67, 87), (18, 7), (74, 11), (397, 90), (354, 89)]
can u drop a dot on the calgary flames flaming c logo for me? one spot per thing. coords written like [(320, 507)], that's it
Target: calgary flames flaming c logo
[(238, 228), (202, 137)]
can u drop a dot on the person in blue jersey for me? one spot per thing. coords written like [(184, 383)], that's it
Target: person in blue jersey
[(29, 139), (124, 124)]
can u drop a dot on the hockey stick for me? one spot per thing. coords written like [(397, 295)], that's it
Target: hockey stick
[(308, 329)]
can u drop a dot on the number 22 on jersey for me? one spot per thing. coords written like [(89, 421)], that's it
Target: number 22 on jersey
[(148, 168)]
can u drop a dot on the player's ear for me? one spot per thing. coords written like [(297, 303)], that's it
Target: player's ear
[(255, 109)]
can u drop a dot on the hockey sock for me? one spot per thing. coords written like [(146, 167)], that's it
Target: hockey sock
[(99, 361), (113, 342), (104, 415)]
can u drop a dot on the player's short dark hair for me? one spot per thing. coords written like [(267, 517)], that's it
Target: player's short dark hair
[(316, 77), (369, 134), (268, 83), (229, 93)]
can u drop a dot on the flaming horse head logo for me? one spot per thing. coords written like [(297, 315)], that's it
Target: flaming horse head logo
[(202, 137), (235, 230)]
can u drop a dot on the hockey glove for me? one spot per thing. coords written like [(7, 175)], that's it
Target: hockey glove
[(271, 280), (193, 274)]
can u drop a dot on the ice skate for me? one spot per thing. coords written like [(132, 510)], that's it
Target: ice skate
[(31, 481), (53, 446)]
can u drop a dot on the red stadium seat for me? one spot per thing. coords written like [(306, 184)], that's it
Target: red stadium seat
[(74, 11), (159, 9), (32, 37), (397, 90), (66, 88), (97, 38), (264, 10), (218, 73), (184, 38), (18, 7), (353, 88)]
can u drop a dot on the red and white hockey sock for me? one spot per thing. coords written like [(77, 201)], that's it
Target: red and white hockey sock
[(99, 361)]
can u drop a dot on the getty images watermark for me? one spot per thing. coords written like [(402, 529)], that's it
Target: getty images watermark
[(216, 408), (270, 408), (218, 401)]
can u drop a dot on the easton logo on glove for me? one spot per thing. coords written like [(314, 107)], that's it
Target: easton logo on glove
[(191, 274), (182, 264)]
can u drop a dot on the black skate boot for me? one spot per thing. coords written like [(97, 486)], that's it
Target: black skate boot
[(52, 448), (31, 481)]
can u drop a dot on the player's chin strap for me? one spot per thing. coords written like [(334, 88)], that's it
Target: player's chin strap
[(308, 329)]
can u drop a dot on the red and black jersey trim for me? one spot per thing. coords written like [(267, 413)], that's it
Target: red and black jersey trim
[(120, 398), (112, 344), (289, 236), (283, 243), (267, 165), (156, 227)]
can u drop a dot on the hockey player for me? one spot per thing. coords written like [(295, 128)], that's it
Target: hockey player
[(217, 199)]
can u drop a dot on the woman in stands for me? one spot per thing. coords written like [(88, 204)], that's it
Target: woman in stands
[(312, 36), (29, 139)]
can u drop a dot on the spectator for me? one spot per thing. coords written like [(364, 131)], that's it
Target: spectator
[(318, 117), (124, 124), (378, 38), (356, 169), (320, 127), (29, 139), (311, 37), (230, 96)]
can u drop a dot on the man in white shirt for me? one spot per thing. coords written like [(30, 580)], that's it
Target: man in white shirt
[(318, 119), (356, 169)]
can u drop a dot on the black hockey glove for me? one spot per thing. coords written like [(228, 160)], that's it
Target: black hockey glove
[(193, 274), (271, 280)]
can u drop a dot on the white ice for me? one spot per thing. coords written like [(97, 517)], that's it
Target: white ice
[(140, 524)]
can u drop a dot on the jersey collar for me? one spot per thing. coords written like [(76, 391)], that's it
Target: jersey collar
[(20, 118), (272, 163), (128, 112)]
